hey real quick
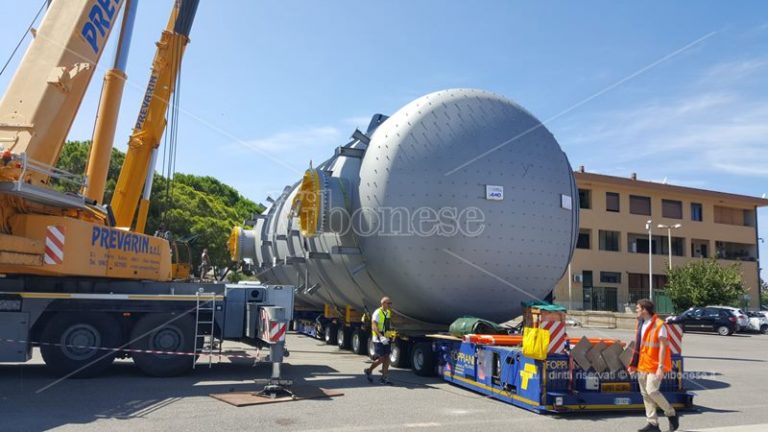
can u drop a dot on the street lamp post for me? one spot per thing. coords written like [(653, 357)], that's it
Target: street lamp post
[(669, 229), (649, 226), (759, 277)]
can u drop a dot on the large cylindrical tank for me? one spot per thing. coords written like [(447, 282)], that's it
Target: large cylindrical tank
[(460, 203)]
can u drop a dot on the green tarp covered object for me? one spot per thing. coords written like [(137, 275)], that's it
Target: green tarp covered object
[(473, 325)]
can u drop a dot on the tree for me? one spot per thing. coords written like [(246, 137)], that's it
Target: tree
[(200, 209), (74, 158), (704, 282)]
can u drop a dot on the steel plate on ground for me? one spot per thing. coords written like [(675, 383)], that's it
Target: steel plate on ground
[(240, 399)]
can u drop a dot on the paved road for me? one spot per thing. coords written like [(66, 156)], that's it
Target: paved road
[(733, 395)]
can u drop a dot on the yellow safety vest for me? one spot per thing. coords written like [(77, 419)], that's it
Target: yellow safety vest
[(383, 326)]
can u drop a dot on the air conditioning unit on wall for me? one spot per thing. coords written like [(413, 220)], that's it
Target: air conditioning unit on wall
[(578, 277)]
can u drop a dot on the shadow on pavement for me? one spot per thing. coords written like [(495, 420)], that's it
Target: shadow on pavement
[(700, 384), (724, 358), (124, 392)]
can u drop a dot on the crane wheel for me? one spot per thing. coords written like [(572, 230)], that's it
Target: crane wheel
[(170, 337), (76, 344)]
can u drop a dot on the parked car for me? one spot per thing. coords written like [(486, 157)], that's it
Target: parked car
[(742, 318), (707, 319), (758, 322)]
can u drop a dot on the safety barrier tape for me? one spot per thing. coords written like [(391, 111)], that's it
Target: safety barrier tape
[(132, 350)]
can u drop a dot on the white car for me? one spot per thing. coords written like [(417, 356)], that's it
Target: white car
[(741, 317), (758, 321)]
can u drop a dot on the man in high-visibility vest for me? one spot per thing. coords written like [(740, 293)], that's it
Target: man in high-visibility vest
[(380, 325), (651, 360)]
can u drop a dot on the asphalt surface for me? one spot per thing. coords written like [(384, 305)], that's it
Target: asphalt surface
[(732, 395)]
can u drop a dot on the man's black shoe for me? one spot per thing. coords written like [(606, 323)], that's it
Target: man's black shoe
[(368, 376), (385, 380), (674, 422), (650, 428)]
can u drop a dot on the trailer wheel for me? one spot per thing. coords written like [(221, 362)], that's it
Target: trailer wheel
[(319, 330), (77, 338), (330, 334), (399, 356), (342, 337), (423, 359), (164, 332), (371, 349), (359, 342)]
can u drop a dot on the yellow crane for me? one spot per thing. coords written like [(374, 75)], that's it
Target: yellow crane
[(46, 232), (74, 278)]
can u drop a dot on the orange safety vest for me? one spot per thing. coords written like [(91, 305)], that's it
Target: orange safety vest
[(649, 348)]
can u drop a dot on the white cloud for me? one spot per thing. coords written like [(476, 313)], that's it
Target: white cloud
[(704, 132), (716, 124), (291, 150), (296, 140), (360, 122), (733, 72)]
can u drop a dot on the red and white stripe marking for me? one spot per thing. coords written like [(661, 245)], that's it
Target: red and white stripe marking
[(54, 245), (557, 336), (675, 333), (277, 331), (272, 331)]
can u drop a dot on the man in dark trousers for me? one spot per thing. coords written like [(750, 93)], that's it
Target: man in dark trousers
[(380, 325), (205, 264), (651, 360)]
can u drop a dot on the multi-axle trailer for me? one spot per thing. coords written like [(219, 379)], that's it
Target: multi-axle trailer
[(554, 385), (577, 375)]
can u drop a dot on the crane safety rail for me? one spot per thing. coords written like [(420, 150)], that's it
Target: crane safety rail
[(44, 195)]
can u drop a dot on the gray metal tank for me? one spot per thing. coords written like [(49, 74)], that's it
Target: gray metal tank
[(460, 203)]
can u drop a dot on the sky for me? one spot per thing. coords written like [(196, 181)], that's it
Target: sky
[(673, 91)]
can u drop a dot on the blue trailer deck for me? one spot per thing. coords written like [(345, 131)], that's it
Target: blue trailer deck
[(554, 385)]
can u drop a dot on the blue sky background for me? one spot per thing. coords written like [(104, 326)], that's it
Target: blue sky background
[(269, 86)]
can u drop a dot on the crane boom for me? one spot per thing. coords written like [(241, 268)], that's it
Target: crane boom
[(109, 109), (42, 99), (44, 231), (150, 124)]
